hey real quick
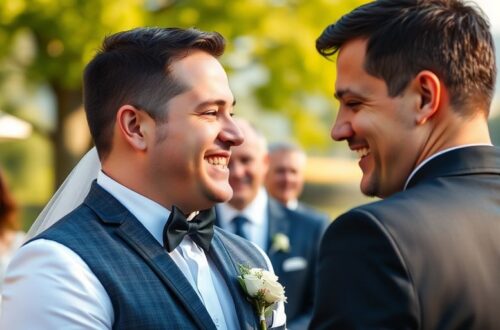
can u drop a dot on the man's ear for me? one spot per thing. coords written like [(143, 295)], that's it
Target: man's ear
[(133, 125), (431, 89)]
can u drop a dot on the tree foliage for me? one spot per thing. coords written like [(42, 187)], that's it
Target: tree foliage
[(47, 43), (271, 56)]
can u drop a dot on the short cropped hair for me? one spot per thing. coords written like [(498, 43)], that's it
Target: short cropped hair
[(448, 37), (132, 67)]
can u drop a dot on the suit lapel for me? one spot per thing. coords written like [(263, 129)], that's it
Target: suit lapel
[(461, 161), (229, 270), (139, 239)]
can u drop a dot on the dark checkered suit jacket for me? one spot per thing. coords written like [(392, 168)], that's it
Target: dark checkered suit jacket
[(146, 288)]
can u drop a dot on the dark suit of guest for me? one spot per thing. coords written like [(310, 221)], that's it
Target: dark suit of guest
[(295, 268), (146, 288), (310, 211), (425, 258)]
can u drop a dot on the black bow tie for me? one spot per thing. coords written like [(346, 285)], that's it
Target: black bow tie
[(200, 229)]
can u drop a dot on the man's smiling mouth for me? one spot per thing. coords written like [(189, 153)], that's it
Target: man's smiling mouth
[(218, 161), (362, 152)]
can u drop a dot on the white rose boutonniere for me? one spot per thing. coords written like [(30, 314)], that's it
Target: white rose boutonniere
[(281, 242), (263, 290)]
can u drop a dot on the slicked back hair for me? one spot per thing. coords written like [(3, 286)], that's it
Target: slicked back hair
[(448, 37), (133, 67)]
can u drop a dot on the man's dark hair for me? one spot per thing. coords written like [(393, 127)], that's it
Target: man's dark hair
[(404, 37), (132, 68)]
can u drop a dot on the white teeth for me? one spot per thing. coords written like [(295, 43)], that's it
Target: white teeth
[(218, 161), (362, 152)]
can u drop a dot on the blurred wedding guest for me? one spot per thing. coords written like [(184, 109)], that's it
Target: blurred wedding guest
[(11, 237), (284, 180), (415, 80), (290, 239)]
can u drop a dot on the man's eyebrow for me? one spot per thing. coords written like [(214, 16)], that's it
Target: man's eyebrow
[(220, 103), (341, 92)]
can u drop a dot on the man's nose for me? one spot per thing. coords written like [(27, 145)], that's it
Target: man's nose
[(231, 133), (342, 128), (288, 176), (236, 170)]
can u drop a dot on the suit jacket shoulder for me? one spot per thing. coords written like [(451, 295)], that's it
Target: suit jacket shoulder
[(399, 258)]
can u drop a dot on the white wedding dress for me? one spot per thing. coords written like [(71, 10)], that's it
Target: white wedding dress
[(70, 194)]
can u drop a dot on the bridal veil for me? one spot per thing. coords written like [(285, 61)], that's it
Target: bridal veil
[(70, 194)]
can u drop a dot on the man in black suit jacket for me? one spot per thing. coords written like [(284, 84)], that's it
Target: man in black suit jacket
[(291, 239), (414, 82)]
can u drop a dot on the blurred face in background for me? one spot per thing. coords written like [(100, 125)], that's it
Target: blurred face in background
[(285, 177), (247, 167)]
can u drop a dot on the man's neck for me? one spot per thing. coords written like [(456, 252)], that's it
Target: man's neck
[(454, 132)]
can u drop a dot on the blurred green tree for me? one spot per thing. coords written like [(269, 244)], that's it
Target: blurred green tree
[(47, 43), (271, 55), (275, 38)]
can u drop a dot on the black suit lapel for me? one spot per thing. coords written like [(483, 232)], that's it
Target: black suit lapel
[(462, 161), (139, 239), (229, 270)]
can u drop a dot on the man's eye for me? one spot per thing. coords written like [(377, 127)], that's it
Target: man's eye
[(210, 113), (352, 104)]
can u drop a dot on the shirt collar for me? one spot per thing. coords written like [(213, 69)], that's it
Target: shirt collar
[(152, 215), (292, 204), (437, 154), (255, 212)]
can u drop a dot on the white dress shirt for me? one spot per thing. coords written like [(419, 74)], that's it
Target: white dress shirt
[(257, 226), (48, 286), (292, 204)]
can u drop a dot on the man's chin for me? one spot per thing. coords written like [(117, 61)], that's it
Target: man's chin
[(368, 188), (220, 194)]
